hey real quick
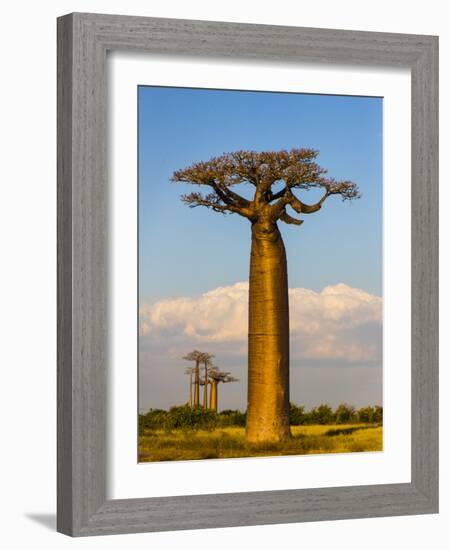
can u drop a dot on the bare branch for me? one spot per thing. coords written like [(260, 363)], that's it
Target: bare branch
[(197, 199), (346, 189), (230, 197), (230, 378), (277, 195), (301, 207), (214, 202), (286, 218)]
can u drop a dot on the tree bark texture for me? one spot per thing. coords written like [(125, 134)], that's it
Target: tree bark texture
[(213, 396), (190, 390), (205, 389), (197, 385), (268, 339)]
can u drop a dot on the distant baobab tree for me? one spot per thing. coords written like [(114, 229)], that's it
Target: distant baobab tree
[(207, 379), (199, 357), (274, 176), (216, 377), (195, 356), (206, 360), (190, 372)]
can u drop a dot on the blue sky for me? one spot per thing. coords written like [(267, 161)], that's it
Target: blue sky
[(196, 249), (186, 254)]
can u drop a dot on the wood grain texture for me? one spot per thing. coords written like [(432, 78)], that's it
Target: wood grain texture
[(424, 280), (83, 40), (64, 295)]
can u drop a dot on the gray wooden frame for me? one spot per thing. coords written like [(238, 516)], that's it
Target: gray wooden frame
[(83, 40)]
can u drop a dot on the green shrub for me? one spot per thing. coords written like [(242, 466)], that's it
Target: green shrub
[(182, 417), (323, 414), (297, 415), (345, 414), (154, 419), (378, 415), (371, 414), (232, 418)]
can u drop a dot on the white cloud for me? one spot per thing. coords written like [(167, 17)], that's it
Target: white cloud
[(340, 322)]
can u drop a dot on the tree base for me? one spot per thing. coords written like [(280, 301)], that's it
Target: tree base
[(266, 436)]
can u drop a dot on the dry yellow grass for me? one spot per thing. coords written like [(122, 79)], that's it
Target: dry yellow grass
[(229, 442)]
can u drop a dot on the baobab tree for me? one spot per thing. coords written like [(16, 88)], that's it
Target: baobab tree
[(207, 364), (190, 372), (216, 377), (275, 176), (195, 356), (205, 378)]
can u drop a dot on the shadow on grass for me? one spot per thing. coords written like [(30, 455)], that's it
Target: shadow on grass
[(347, 431)]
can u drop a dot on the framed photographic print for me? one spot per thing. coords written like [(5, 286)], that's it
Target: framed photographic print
[(334, 329), (247, 274)]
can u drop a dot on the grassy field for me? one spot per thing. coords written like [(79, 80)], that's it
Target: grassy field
[(229, 442)]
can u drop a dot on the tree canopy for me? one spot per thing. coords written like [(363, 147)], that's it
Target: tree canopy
[(295, 170)]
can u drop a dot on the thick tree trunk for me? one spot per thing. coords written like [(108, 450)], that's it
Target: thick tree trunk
[(268, 339), (190, 390), (213, 396), (205, 390), (197, 386)]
